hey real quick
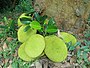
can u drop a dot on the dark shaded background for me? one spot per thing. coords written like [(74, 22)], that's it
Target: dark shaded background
[(5, 4)]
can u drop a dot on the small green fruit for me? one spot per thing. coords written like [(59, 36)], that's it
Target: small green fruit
[(22, 54), (68, 38), (22, 15), (56, 49), (23, 36), (35, 45)]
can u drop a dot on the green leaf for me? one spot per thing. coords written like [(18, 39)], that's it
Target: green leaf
[(71, 48), (68, 44), (84, 47), (86, 50), (51, 21), (1, 35), (43, 18), (79, 60), (85, 56), (30, 12), (88, 44), (78, 53), (37, 16), (3, 26), (51, 29), (87, 35), (6, 20), (12, 25), (77, 43), (26, 28), (15, 65), (35, 25), (25, 20), (84, 66), (88, 20)]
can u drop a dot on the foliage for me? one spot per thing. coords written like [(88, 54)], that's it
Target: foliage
[(4, 4), (88, 20), (82, 53), (17, 6), (24, 6), (7, 5), (8, 28), (37, 22), (87, 34), (82, 50)]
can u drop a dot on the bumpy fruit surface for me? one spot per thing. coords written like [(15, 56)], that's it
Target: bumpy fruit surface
[(68, 38), (22, 54), (23, 36), (55, 49), (35, 45)]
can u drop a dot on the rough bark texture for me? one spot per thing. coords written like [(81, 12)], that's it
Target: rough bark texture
[(69, 14)]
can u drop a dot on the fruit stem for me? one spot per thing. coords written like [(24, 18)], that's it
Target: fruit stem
[(58, 33)]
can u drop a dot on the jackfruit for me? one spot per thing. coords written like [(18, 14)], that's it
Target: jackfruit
[(22, 54), (55, 49), (23, 36), (68, 38), (35, 45)]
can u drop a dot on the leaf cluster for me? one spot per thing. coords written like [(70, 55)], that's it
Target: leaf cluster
[(43, 25), (8, 28)]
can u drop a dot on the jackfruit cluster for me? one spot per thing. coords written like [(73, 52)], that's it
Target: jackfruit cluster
[(35, 45)]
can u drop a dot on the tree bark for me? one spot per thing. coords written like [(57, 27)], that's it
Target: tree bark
[(69, 14)]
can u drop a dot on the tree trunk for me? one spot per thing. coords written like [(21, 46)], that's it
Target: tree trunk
[(69, 14)]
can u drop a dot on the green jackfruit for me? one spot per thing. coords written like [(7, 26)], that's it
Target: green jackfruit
[(35, 45), (68, 38), (23, 36), (56, 49), (22, 54)]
